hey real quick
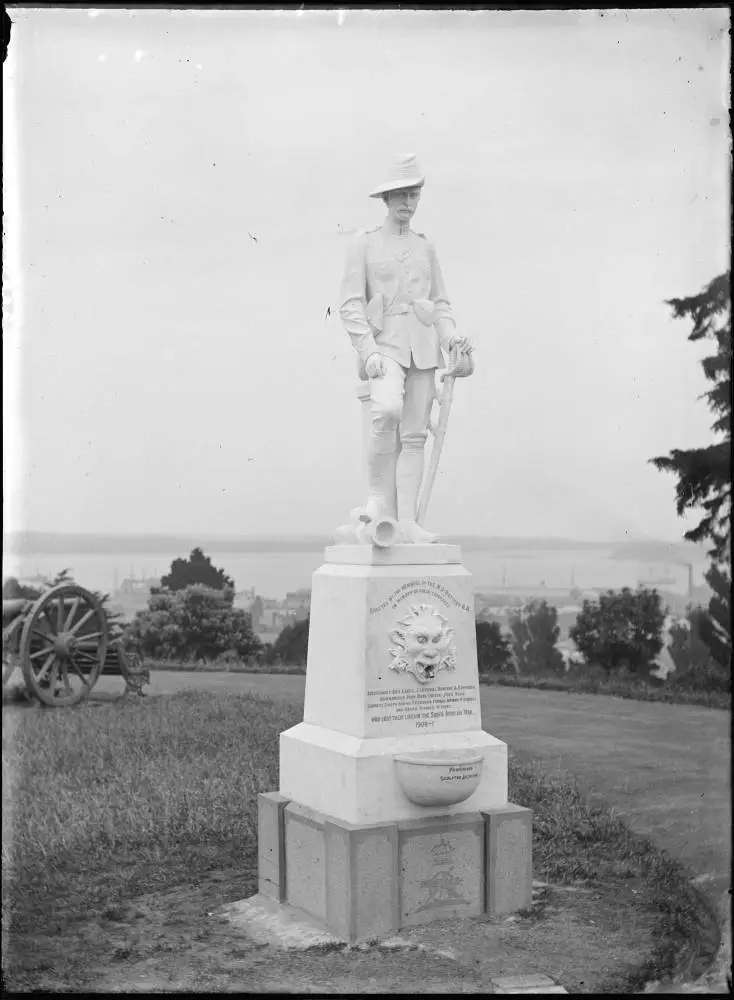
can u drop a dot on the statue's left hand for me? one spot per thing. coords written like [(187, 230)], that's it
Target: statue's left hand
[(462, 344)]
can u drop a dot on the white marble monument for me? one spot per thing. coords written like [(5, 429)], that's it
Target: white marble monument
[(392, 808)]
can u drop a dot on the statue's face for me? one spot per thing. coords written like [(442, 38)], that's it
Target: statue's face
[(401, 205)]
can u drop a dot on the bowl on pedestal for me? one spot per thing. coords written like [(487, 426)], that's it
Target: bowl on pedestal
[(435, 778)]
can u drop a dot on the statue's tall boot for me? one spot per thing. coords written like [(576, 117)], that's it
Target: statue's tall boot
[(409, 476), (381, 477)]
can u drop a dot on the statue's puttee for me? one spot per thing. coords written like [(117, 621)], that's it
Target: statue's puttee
[(395, 309)]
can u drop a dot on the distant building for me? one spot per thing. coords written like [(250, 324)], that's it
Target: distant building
[(133, 595), (493, 612), (304, 594), (245, 599), (270, 615), (38, 581), (132, 586), (298, 602), (276, 618)]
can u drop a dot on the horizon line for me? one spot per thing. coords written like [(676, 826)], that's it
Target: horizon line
[(275, 536)]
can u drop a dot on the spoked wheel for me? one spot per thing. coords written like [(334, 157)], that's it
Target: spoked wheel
[(8, 667), (63, 645)]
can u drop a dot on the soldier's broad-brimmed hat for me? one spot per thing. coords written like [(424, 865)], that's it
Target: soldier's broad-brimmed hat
[(405, 172)]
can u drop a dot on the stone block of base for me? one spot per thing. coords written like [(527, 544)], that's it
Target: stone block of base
[(508, 859), (364, 881), (271, 845), (344, 875), (441, 862)]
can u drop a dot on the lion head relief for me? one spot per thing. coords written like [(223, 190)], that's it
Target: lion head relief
[(424, 645)]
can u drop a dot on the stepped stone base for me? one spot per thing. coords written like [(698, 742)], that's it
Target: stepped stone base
[(364, 881)]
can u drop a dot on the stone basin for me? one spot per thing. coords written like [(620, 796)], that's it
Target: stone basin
[(437, 778)]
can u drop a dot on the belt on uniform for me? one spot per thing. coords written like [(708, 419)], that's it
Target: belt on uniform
[(376, 311)]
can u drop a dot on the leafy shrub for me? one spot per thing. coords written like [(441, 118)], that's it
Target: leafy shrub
[(291, 646), (623, 630), (493, 649), (13, 590), (194, 623), (535, 632), (586, 673)]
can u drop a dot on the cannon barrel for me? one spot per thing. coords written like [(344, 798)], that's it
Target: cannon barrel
[(14, 606)]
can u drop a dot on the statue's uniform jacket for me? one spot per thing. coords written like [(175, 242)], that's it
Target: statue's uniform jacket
[(393, 299)]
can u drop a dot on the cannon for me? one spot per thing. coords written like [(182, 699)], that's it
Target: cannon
[(63, 643)]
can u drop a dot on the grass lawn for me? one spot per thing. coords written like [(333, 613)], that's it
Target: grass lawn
[(126, 823), (591, 682), (584, 682), (665, 768)]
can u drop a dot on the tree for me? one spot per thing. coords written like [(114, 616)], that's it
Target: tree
[(197, 569), (704, 474), (493, 649), (623, 630), (196, 622), (535, 632), (695, 668), (14, 590), (715, 626), (291, 646)]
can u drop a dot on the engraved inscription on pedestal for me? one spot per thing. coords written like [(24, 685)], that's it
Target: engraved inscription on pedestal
[(421, 587), (422, 669), (440, 874), (421, 709)]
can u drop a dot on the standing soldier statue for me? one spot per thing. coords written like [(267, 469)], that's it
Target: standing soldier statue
[(395, 309)]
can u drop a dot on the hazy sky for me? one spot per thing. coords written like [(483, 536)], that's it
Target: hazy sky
[(170, 374)]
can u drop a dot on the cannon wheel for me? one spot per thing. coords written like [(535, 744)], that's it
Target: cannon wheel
[(63, 645)]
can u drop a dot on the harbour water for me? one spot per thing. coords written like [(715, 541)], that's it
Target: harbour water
[(273, 574)]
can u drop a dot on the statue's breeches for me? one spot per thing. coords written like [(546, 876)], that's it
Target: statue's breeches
[(401, 398)]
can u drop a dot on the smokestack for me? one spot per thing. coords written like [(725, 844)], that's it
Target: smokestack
[(690, 581)]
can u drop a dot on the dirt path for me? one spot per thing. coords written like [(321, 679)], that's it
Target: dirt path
[(575, 936), (664, 767)]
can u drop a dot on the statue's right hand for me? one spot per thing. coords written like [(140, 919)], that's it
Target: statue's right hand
[(374, 367)]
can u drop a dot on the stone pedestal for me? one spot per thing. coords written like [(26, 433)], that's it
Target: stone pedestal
[(353, 838)]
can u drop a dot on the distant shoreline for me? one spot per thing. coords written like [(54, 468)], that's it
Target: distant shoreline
[(32, 543)]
